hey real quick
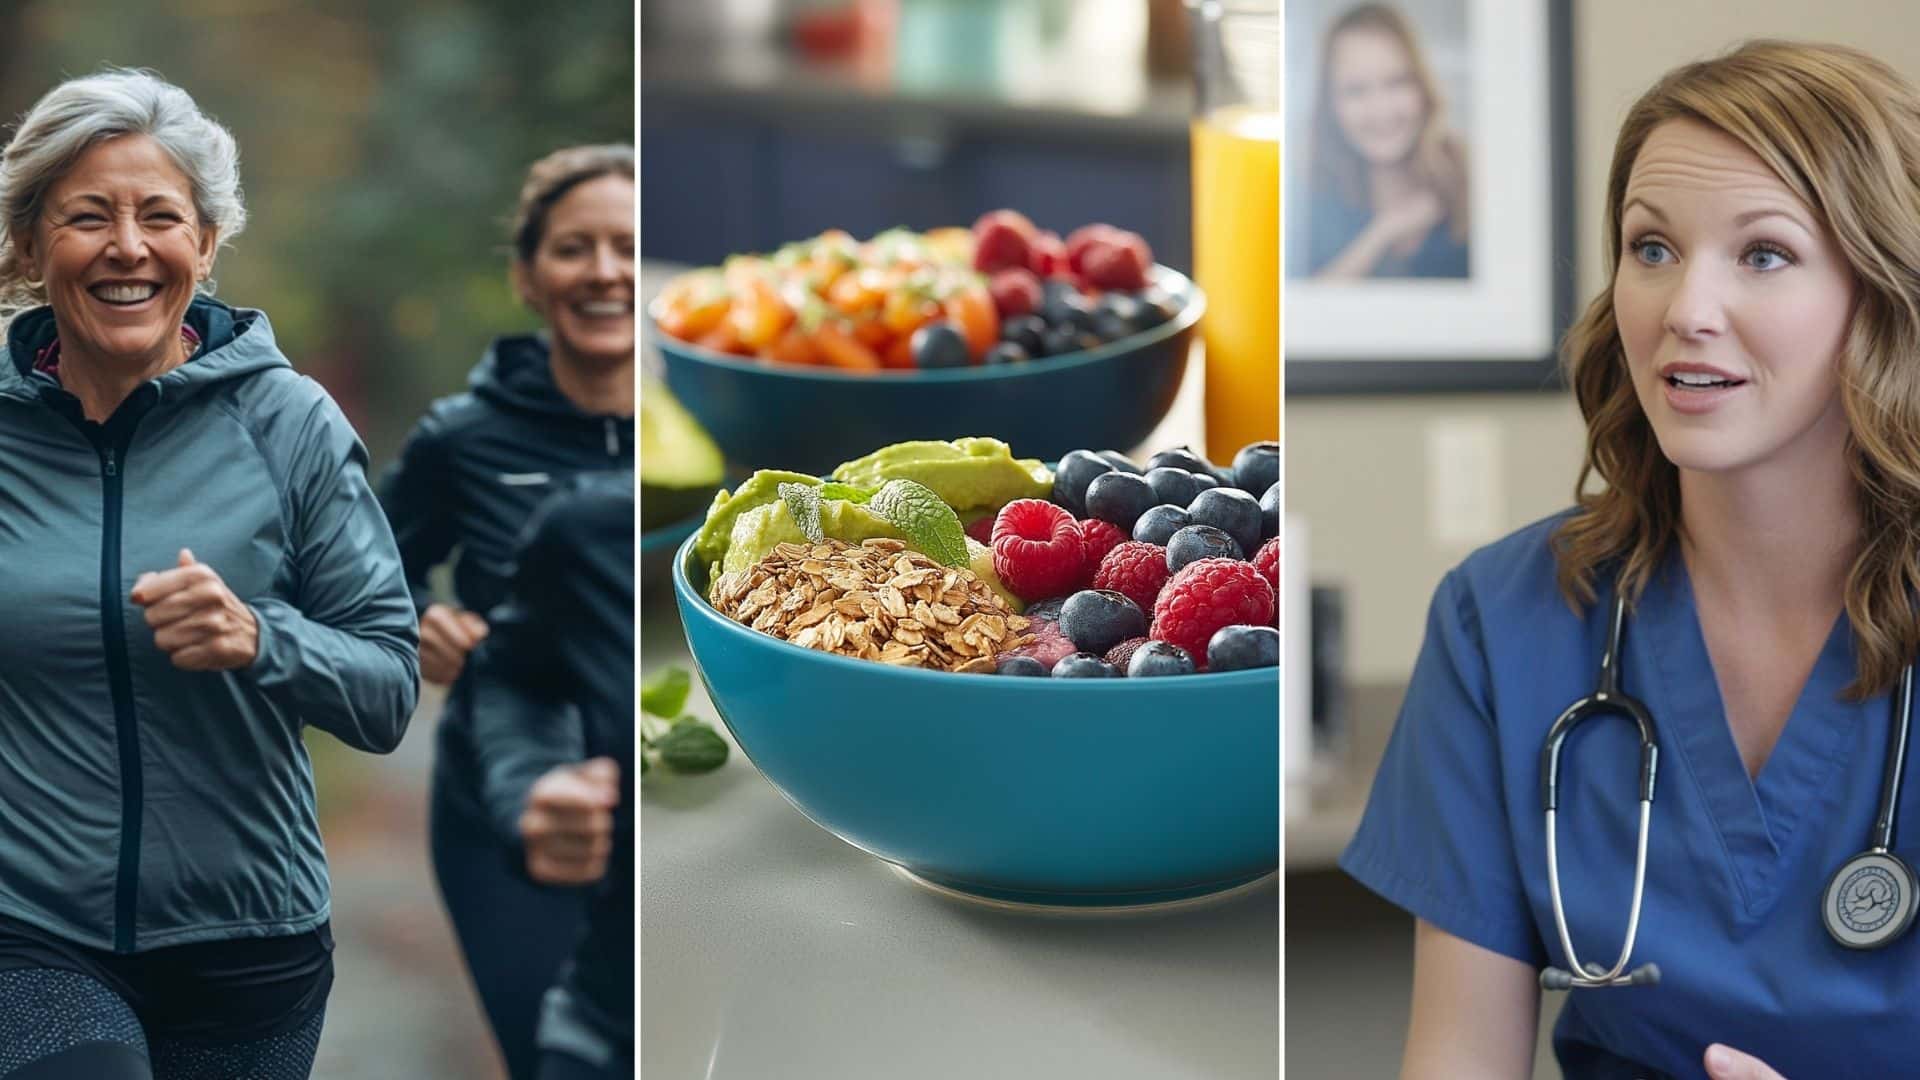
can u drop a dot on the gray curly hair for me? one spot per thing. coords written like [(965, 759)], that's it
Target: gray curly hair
[(81, 112)]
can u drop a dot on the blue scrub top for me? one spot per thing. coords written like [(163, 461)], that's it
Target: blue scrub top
[(1454, 831)]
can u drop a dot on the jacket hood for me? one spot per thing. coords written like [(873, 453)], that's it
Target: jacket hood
[(514, 374), (234, 343)]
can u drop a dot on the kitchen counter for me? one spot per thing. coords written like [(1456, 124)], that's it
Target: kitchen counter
[(769, 948)]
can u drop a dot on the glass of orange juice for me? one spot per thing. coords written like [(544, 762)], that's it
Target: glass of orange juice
[(1236, 217)]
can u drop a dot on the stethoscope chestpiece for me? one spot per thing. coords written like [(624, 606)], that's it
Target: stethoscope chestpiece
[(1870, 900)]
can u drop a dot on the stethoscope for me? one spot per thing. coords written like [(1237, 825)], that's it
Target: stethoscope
[(1868, 902)]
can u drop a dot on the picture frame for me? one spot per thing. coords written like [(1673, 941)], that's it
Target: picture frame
[(1484, 312)]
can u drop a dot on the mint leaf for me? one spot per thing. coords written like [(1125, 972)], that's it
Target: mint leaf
[(848, 492), (803, 502), (693, 748), (664, 693), (930, 524)]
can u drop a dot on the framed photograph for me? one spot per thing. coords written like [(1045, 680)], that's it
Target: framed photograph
[(1429, 194)]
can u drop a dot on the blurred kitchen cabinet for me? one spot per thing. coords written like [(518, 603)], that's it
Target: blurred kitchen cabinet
[(712, 185)]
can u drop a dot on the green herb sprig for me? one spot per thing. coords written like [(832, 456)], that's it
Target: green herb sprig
[(681, 741)]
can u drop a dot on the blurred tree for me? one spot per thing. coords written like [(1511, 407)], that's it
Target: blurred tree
[(382, 144)]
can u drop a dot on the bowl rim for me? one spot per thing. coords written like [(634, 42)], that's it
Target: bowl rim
[(1164, 276), (683, 590)]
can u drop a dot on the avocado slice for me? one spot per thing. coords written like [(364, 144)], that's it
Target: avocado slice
[(679, 464)]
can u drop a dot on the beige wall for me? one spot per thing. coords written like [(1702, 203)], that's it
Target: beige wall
[(1356, 467)]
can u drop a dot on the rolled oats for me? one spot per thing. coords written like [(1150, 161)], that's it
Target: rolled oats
[(876, 601)]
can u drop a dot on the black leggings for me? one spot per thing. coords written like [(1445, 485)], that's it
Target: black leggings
[(515, 934), (61, 1025)]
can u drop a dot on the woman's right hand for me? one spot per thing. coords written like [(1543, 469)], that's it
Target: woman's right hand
[(567, 826), (447, 635), (1405, 225)]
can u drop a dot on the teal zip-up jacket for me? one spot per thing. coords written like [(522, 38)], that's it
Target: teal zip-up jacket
[(141, 805)]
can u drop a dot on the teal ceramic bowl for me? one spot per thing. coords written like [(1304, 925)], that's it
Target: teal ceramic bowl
[(811, 419), (1059, 792)]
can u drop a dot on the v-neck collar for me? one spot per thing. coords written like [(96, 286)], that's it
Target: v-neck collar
[(1758, 820)]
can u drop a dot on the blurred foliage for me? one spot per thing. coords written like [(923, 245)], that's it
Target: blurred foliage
[(382, 147)]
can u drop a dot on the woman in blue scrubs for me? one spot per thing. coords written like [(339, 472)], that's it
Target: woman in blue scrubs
[(1750, 379)]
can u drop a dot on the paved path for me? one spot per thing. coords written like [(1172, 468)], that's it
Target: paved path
[(401, 1005)]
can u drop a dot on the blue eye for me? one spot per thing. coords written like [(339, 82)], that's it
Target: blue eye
[(1651, 252), (1767, 257)]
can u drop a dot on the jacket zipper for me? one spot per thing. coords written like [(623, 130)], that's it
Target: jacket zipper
[(120, 680), (613, 437)]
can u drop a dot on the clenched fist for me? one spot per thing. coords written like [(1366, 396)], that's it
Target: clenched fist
[(567, 825), (447, 635), (196, 619)]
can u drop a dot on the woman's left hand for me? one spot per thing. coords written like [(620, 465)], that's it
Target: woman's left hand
[(196, 619), (1726, 1063)]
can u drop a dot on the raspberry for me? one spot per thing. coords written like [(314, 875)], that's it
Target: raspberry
[(1049, 645), (1101, 537), (1001, 238), (1122, 654), (1207, 595), (1046, 255), (1015, 291), (1135, 570), (1267, 561), (1037, 549), (982, 529)]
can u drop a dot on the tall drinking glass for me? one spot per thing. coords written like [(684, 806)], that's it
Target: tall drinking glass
[(1236, 216)]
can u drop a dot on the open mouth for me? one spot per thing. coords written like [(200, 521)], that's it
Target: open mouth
[(124, 294), (1699, 380)]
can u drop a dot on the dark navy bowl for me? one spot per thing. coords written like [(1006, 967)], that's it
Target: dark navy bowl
[(1088, 793), (810, 419)]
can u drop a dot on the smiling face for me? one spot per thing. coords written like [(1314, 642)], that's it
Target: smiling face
[(1376, 95), (121, 248), (1733, 301), (580, 279)]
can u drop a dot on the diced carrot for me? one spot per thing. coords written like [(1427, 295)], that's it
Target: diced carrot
[(899, 354), (794, 347), (971, 309), (843, 350)]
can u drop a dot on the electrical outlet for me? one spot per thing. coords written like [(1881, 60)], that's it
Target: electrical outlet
[(1466, 500)]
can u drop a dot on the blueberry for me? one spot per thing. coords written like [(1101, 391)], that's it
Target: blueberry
[(1257, 467), (1235, 648), (1270, 514), (1119, 498), (1159, 523), (1222, 474), (1156, 306), (1068, 308), (1087, 339), (1024, 331), (1021, 665), (939, 345), (1046, 609), (1058, 341), (1159, 658), (1233, 512), (1096, 620), (1007, 352), (1203, 481), (1174, 487), (1082, 665), (1121, 461), (1111, 327), (1180, 458), (1120, 306), (1070, 480), (1196, 542)]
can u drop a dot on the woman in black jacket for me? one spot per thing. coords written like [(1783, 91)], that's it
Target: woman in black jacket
[(539, 410)]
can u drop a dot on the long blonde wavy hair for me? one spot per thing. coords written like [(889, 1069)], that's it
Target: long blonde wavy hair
[(1439, 159), (1842, 130)]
